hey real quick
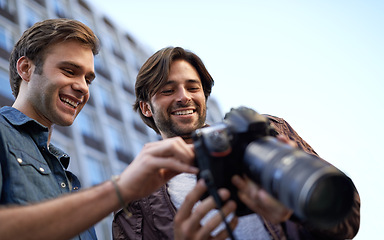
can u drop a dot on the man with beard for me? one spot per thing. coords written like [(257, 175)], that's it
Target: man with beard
[(172, 89)]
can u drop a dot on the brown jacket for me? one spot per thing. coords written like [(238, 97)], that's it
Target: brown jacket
[(152, 217)]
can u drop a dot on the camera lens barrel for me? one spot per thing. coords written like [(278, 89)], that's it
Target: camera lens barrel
[(315, 190)]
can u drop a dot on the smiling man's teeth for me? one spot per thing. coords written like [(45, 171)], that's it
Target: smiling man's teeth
[(186, 112), (69, 102)]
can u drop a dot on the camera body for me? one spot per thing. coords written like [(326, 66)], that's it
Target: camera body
[(245, 144)]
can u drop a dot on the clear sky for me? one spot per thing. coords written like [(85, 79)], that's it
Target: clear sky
[(317, 64)]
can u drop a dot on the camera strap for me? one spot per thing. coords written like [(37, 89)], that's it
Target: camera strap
[(212, 189)]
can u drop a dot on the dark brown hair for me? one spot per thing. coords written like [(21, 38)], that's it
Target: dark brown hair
[(35, 41), (154, 74)]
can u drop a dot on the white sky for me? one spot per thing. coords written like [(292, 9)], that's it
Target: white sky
[(318, 64)]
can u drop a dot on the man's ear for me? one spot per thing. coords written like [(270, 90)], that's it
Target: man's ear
[(24, 68), (145, 109)]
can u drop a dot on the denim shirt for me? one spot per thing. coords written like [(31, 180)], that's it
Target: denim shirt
[(31, 172)]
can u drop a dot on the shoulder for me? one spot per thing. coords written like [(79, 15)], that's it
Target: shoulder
[(282, 127)]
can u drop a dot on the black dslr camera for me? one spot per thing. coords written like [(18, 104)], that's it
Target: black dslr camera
[(244, 143)]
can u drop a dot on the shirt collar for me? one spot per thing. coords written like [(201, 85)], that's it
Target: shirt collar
[(60, 154), (17, 118)]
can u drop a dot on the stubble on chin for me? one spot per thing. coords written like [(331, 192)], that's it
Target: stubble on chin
[(186, 131), (170, 128)]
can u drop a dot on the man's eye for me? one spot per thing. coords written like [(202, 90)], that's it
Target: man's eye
[(168, 91), (194, 89), (69, 71)]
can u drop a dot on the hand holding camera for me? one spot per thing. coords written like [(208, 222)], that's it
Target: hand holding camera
[(245, 144)]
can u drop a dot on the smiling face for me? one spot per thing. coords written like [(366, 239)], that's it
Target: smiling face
[(60, 91), (179, 107)]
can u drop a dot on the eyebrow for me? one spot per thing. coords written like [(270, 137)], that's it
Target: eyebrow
[(170, 82)]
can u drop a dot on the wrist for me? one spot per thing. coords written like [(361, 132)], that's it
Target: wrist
[(123, 204)]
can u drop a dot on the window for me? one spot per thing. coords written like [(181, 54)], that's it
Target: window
[(99, 63), (60, 8), (4, 4), (87, 124), (90, 129), (111, 42), (138, 145), (96, 171), (118, 142), (120, 74), (107, 97), (8, 10), (116, 138), (100, 67), (6, 39), (5, 88), (33, 16), (85, 18), (132, 58)]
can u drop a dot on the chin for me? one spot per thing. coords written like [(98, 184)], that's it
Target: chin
[(65, 123)]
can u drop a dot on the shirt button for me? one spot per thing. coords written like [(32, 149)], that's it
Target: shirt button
[(63, 185), (19, 160), (41, 169)]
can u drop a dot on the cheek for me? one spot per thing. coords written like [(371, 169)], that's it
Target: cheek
[(159, 103), (200, 98)]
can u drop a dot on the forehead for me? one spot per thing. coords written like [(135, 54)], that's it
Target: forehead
[(70, 48), (182, 70), (71, 51)]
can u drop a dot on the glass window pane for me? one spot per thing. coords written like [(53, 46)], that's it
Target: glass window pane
[(116, 138), (4, 4), (86, 123), (107, 97), (96, 172), (32, 16), (5, 88), (6, 39)]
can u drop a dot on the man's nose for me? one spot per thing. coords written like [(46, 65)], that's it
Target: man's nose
[(81, 85), (183, 96)]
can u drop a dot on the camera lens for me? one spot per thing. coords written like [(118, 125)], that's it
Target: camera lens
[(314, 189), (329, 199)]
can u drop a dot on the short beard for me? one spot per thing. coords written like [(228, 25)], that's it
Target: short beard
[(171, 129)]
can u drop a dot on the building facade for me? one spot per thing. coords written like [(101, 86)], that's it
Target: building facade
[(107, 134)]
